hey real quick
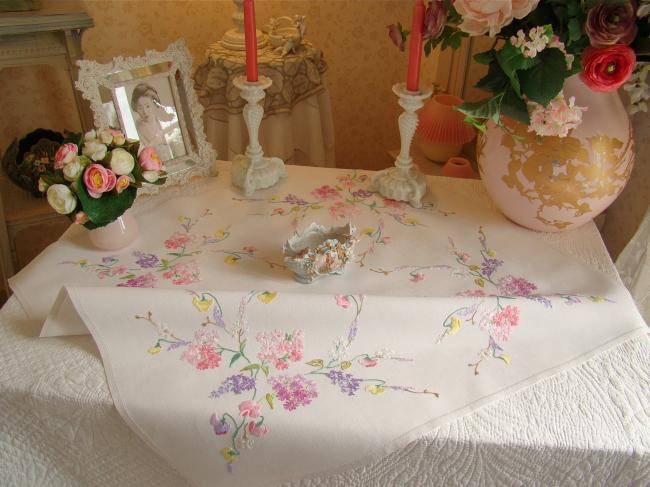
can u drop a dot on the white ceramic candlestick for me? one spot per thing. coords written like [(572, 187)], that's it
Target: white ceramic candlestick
[(404, 182), (234, 39), (251, 171)]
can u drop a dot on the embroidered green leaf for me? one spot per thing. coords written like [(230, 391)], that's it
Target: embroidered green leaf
[(165, 263), (234, 358), (479, 282), (269, 399), (242, 345), (316, 207), (346, 364), (250, 367), (316, 363), (265, 369)]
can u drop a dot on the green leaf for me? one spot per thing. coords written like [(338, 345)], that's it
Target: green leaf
[(488, 109), (494, 81), (428, 47), (265, 369), (242, 345), (512, 60), (250, 367), (453, 40), (104, 210), (514, 107), (575, 29), (543, 82), (269, 399), (234, 358), (316, 363), (484, 57)]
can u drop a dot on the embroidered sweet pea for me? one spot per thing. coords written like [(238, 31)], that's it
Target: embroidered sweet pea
[(253, 429), (342, 301), (220, 426), (249, 409), (202, 305), (368, 362)]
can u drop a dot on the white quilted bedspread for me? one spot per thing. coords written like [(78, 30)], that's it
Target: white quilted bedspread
[(589, 425)]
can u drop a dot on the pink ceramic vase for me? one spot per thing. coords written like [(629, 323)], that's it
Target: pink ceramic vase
[(457, 167), (553, 184), (117, 234), (442, 131)]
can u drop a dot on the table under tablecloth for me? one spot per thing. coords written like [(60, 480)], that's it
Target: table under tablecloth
[(486, 442)]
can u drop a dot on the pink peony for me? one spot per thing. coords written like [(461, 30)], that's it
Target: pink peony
[(149, 159), (249, 409), (65, 154), (490, 16), (98, 180)]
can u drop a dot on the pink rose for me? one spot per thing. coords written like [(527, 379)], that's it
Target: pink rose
[(65, 154), (255, 430), (249, 409), (122, 183), (149, 159), (98, 180), (490, 16)]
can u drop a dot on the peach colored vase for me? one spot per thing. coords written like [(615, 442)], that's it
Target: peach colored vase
[(117, 234), (553, 184)]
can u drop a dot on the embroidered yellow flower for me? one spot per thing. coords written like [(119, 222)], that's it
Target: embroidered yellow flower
[(346, 365), (491, 253), (505, 358), (82, 262), (154, 350), (479, 282), (230, 259), (202, 304), (474, 268), (596, 299), (221, 234), (368, 231), (411, 221), (229, 454), (266, 297), (375, 389), (455, 325)]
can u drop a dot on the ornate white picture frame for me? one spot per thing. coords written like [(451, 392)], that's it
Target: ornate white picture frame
[(151, 98)]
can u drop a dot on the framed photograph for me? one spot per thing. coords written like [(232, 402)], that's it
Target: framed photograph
[(152, 99)]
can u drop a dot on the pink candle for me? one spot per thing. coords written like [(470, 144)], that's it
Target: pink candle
[(250, 34), (415, 47)]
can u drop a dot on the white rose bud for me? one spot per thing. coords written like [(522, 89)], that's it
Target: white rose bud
[(91, 135), (105, 136), (150, 176), (42, 185), (61, 199), (122, 162), (95, 150), (73, 170)]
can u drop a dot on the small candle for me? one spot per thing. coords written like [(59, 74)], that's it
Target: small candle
[(415, 47), (250, 34)]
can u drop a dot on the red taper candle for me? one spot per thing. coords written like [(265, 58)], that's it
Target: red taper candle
[(415, 47), (250, 34)]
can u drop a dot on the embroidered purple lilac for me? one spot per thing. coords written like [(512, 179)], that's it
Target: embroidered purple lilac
[(236, 384), (145, 280), (292, 199), (294, 390), (489, 266), (111, 259), (220, 426), (515, 286), (346, 382), (146, 261), (541, 299)]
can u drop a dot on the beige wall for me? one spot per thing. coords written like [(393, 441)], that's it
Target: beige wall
[(363, 64)]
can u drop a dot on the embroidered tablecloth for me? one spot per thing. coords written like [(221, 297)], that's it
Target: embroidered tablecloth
[(426, 457)]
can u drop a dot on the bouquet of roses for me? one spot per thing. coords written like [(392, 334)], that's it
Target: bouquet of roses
[(540, 43), (95, 177)]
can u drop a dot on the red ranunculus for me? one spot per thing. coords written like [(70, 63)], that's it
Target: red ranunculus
[(607, 68)]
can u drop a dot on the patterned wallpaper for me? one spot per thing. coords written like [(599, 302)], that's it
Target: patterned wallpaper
[(363, 64)]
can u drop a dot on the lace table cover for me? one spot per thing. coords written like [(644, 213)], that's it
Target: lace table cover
[(613, 433)]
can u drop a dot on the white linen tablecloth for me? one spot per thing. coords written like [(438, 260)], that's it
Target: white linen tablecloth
[(501, 434)]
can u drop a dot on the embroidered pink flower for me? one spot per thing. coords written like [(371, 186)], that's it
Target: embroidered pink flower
[(250, 409), (386, 240), (341, 209), (368, 362), (255, 430), (278, 211), (473, 293), (280, 348), (503, 321), (326, 192), (294, 391), (118, 270), (393, 203), (202, 353), (342, 301), (249, 249), (515, 286), (417, 277), (178, 240), (183, 273)]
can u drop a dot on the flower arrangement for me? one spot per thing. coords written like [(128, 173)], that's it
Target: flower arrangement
[(538, 44), (94, 178)]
